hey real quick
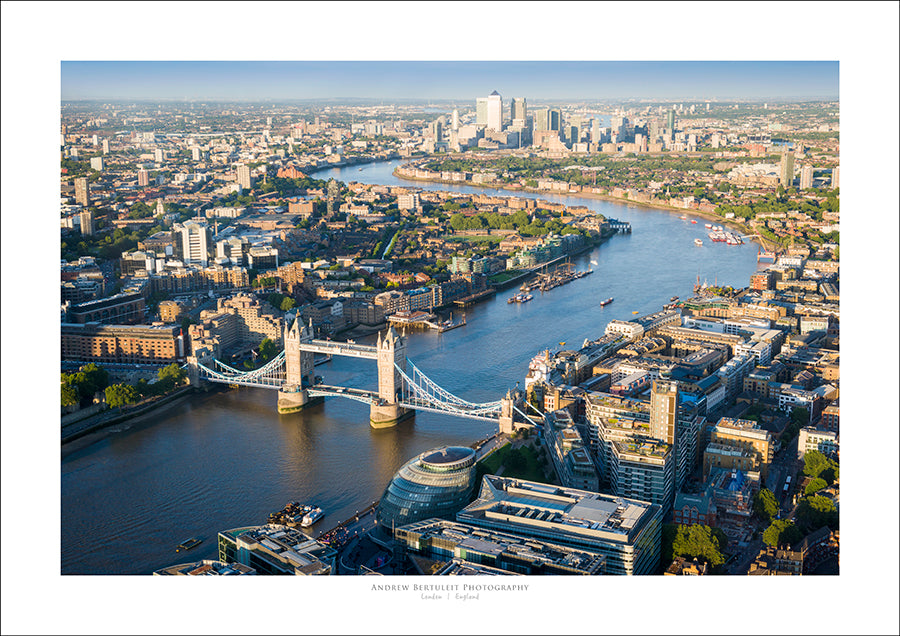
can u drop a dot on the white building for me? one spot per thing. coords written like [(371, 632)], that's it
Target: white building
[(817, 439), (495, 112), (194, 242), (630, 330)]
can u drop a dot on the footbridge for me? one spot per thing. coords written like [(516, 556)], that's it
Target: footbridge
[(402, 387)]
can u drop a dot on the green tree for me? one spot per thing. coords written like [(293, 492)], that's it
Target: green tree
[(814, 463), (70, 396), (815, 486), (700, 541), (817, 511), (171, 375), (288, 303), (781, 532), (765, 505), (118, 395), (515, 459), (267, 350)]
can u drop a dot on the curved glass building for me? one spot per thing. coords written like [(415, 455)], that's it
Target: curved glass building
[(437, 483)]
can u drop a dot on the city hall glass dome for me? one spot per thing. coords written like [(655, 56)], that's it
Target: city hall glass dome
[(437, 483)]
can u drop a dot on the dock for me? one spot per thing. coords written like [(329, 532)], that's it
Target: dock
[(424, 320), (562, 275), (471, 299)]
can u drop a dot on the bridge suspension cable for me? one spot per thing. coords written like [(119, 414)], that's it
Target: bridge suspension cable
[(272, 374), (420, 390)]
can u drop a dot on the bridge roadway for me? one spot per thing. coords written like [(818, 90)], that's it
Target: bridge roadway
[(340, 349), (360, 395)]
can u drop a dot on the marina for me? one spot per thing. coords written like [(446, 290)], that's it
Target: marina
[(563, 274)]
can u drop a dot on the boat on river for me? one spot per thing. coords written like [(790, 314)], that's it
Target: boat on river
[(187, 544), (698, 241), (312, 516), (604, 303), (296, 514)]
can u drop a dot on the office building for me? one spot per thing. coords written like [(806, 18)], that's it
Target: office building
[(436, 130), (625, 531), (454, 120), (194, 242), (436, 483), (670, 122), (519, 110), (554, 119), (275, 549), (234, 249), (595, 131), (262, 258), (835, 177), (242, 176), (495, 112), (786, 169), (806, 177), (443, 540), (481, 111), (542, 119), (82, 193)]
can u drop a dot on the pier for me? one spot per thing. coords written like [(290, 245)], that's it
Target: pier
[(424, 320)]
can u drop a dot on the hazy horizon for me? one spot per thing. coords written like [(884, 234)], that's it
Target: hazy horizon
[(249, 81)]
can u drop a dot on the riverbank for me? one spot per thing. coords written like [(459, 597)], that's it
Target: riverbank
[(86, 426), (707, 216)]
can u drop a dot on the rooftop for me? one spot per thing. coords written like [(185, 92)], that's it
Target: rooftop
[(471, 539), (569, 511), (206, 568)]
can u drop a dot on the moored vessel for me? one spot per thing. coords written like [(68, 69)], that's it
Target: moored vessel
[(312, 516), (187, 544)]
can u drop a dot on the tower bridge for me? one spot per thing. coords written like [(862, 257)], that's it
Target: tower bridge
[(402, 387)]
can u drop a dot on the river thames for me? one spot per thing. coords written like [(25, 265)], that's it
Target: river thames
[(227, 459)]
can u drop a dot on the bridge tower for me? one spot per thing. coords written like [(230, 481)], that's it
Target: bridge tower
[(200, 356), (299, 369), (386, 411), (514, 399)]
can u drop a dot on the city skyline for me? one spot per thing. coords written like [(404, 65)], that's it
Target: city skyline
[(447, 80)]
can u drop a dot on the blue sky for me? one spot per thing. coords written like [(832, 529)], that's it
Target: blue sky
[(259, 80)]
